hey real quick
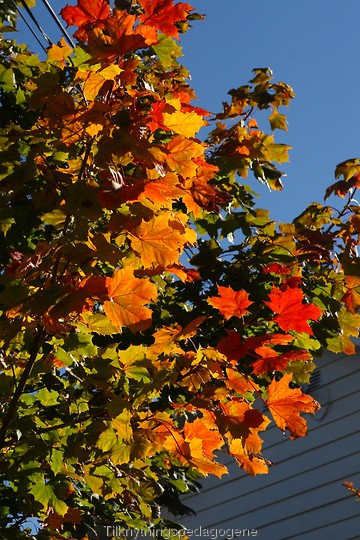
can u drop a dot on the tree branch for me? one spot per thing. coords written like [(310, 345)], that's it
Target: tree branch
[(21, 386)]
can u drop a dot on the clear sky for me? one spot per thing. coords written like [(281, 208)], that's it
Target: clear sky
[(313, 45)]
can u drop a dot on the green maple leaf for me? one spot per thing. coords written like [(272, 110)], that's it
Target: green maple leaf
[(44, 494)]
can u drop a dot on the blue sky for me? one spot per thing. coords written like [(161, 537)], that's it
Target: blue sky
[(311, 45)]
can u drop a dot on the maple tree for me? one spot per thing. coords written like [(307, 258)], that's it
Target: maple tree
[(148, 307)]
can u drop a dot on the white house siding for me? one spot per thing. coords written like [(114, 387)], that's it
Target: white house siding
[(302, 497)]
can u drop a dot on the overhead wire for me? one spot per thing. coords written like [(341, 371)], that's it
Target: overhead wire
[(58, 22), (28, 25), (38, 27), (32, 17)]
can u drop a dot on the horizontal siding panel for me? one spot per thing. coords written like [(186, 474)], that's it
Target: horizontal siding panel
[(339, 520), (285, 482), (316, 488), (281, 526), (341, 385), (316, 518), (339, 530), (332, 365)]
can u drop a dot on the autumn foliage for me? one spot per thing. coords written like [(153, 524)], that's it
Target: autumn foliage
[(149, 310)]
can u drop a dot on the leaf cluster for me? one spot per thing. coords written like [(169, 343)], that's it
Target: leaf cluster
[(149, 308)]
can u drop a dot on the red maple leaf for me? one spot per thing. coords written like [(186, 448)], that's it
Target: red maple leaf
[(276, 268), (231, 346), (292, 313), (87, 13), (235, 348), (290, 283), (271, 361), (163, 14)]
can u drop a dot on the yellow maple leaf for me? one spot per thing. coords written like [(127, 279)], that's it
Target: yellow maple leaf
[(95, 80), (166, 338), (57, 54), (182, 153), (160, 240), (122, 425), (183, 123)]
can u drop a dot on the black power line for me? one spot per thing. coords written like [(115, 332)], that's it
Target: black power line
[(28, 25), (31, 15), (38, 28), (58, 22)]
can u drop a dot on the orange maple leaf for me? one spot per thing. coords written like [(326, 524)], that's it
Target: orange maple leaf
[(230, 303), (352, 296), (128, 298), (239, 420), (252, 123), (202, 442), (211, 438), (182, 155), (239, 383), (162, 191), (293, 314), (203, 464), (122, 35), (168, 437), (286, 404), (165, 340), (199, 193), (250, 463)]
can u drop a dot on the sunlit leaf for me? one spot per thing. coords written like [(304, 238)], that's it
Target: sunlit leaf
[(186, 124), (292, 313), (286, 404), (129, 297), (159, 241), (163, 14), (230, 303)]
